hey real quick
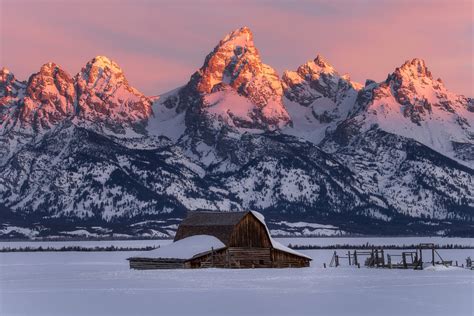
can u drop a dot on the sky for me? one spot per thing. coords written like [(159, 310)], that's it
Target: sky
[(159, 44)]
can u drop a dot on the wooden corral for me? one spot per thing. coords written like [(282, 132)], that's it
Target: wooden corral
[(375, 258), (247, 244)]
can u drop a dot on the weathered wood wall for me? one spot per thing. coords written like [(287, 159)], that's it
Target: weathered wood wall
[(147, 263), (234, 257), (239, 257), (283, 259), (250, 233)]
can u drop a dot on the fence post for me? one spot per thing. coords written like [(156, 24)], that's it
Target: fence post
[(212, 256), (421, 258)]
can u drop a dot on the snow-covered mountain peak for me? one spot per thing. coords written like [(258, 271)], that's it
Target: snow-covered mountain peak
[(49, 67), (104, 95), (318, 98), (9, 86), (412, 104), (413, 86), (50, 82), (101, 68), (239, 37), (309, 71), (322, 63), (104, 61), (234, 87), (415, 77), (315, 79), (414, 69), (235, 61), (30, 108), (316, 67), (3, 73), (49, 97)]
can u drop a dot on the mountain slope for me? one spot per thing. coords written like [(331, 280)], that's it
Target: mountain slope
[(234, 88), (108, 102), (414, 179), (318, 98), (315, 152), (412, 104)]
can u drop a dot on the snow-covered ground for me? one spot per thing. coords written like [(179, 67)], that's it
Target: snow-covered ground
[(101, 283), (376, 241), (319, 241), (86, 243)]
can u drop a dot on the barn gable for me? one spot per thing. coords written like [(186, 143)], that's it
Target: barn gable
[(250, 232)]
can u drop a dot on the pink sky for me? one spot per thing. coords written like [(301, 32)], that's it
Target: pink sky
[(159, 44)]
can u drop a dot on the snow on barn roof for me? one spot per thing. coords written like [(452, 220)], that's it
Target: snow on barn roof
[(185, 248), (276, 244)]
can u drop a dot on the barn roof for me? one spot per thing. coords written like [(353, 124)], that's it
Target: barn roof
[(186, 248), (218, 224), (207, 218), (276, 244)]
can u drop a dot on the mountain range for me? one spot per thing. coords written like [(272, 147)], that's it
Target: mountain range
[(317, 153)]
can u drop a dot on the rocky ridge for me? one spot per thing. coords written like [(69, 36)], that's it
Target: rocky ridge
[(92, 153)]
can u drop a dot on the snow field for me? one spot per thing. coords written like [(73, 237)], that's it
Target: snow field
[(101, 283)]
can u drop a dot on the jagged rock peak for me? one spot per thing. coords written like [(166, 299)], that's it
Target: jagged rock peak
[(242, 37), (415, 68), (234, 70), (102, 67), (236, 62), (48, 98), (105, 62), (321, 61), (49, 66), (50, 83), (9, 86), (106, 99), (50, 69), (6, 77), (314, 79), (4, 72), (314, 68)]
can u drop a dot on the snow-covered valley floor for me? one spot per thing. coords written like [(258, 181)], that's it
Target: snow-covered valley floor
[(100, 283)]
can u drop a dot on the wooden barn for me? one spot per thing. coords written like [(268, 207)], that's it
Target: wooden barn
[(224, 240)]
